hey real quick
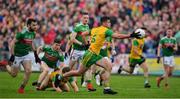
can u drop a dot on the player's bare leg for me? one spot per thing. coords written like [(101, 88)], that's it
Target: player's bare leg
[(45, 70), (107, 65), (146, 74), (65, 88), (168, 73), (44, 83), (88, 78), (164, 76), (27, 72), (82, 69), (72, 64), (13, 71), (128, 69)]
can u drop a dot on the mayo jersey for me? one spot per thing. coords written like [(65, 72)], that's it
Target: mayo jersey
[(165, 41)]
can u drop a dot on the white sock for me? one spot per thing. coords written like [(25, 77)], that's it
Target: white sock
[(107, 88)]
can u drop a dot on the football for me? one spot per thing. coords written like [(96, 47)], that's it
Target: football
[(141, 32)]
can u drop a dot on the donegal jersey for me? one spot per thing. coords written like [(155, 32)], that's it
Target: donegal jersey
[(98, 37), (51, 56), (166, 41), (24, 43), (79, 28), (139, 44), (53, 78)]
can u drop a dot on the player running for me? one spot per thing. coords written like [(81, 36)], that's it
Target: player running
[(49, 60), (20, 49), (79, 45), (92, 56), (168, 45), (59, 85), (136, 58), (107, 51)]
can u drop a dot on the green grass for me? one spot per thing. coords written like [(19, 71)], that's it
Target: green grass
[(127, 87)]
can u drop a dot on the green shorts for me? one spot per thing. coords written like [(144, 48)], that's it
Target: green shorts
[(133, 62), (104, 52), (90, 58)]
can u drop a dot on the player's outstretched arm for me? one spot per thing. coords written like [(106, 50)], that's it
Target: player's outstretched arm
[(74, 40), (11, 46), (158, 52), (120, 36), (175, 47), (124, 36)]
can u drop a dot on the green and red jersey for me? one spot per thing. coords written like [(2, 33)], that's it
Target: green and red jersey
[(51, 57), (24, 43), (165, 41), (79, 28)]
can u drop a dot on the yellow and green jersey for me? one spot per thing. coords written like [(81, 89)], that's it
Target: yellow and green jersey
[(51, 56), (166, 41), (62, 81), (98, 38), (79, 28), (24, 43), (137, 44)]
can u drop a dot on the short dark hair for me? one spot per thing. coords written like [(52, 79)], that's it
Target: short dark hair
[(56, 69), (65, 69), (84, 13), (104, 19), (30, 20), (144, 28)]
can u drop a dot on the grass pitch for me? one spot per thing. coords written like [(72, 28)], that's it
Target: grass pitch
[(127, 87)]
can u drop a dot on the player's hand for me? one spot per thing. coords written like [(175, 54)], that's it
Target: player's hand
[(58, 90), (86, 46), (11, 59), (158, 59), (136, 35), (37, 59), (170, 46)]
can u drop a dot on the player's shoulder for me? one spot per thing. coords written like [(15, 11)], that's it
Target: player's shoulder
[(164, 38), (46, 46), (173, 38), (78, 24)]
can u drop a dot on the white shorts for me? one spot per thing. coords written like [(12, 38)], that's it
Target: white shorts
[(169, 61), (19, 60), (76, 55)]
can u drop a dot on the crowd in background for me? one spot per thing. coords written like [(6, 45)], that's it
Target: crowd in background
[(56, 19)]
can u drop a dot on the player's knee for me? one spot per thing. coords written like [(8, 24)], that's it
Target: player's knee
[(28, 71), (131, 70), (13, 74), (170, 74), (46, 70), (109, 66), (67, 90)]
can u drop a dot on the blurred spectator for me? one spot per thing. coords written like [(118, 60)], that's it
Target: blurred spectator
[(57, 18)]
